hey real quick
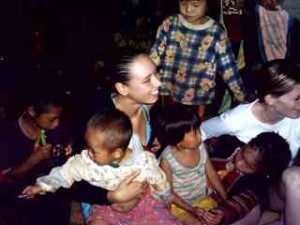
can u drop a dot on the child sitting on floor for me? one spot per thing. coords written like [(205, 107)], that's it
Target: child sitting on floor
[(186, 163), (105, 164)]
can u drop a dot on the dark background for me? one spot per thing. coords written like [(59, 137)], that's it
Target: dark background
[(66, 45)]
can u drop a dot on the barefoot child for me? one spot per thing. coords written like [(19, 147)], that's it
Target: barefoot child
[(186, 163)]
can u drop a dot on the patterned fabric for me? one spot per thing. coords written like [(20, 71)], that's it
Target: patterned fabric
[(81, 167), (274, 26), (237, 206), (149, 211), (245, 191), (188, 182), (205, 202), (189, 57)]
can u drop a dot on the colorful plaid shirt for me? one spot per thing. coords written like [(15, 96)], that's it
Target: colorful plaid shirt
[(189, 57)]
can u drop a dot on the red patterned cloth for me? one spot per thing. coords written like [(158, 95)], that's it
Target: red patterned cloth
[(239, 203)]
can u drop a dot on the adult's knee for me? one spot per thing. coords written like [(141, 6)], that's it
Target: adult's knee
[(291, 178)]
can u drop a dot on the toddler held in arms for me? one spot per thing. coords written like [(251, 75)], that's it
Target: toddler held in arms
[(108, 159)]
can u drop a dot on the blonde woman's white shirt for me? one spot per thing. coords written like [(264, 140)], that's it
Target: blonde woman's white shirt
[(241, 122)]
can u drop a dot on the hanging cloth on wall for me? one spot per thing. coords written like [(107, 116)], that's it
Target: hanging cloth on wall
[(273, 27)]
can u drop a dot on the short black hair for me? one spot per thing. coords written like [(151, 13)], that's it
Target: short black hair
[(273, 154), (115, 126), (45, 103), (173, 122)]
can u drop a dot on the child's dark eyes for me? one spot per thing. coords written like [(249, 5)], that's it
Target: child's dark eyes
[(193, 4)]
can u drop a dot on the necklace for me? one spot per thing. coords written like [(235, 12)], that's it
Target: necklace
[(229, 166)]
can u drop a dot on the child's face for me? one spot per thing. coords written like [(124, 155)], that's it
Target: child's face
[(191, 140), (49, 120), (97, 152), (193, 11), (245, 160)]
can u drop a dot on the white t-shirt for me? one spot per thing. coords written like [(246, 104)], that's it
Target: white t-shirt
[(242, 123)]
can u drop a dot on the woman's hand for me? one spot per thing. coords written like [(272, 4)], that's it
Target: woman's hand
[(126, 206), (128, 190)]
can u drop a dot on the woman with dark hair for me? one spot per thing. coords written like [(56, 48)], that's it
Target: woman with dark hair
[(277, 109), (134, 88)]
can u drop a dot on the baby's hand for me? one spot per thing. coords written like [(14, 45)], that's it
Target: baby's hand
[(31, 191)]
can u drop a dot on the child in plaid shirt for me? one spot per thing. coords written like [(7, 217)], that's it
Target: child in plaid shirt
[(190, 49)]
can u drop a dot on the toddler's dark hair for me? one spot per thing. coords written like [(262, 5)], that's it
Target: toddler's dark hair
[(114, 125), (273, 154), (173, 122)]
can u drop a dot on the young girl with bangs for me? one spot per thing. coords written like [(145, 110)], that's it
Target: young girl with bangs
[(186, 164)]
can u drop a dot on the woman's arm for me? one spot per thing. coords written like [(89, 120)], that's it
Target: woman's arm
[(226, 123), (214, 179), (128, 194), (126, 191), (213, 127), (125, 206)]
